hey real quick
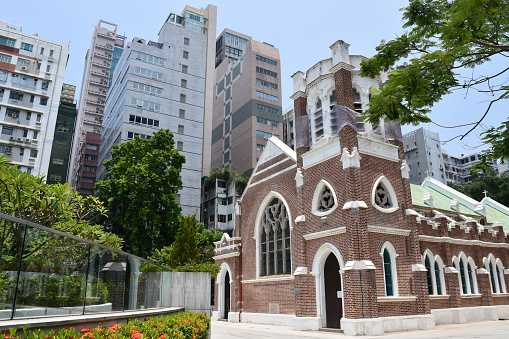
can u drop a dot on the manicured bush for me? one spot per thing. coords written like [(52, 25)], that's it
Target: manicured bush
[(185, 325)]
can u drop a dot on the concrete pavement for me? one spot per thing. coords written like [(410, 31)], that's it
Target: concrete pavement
[(485, 329)]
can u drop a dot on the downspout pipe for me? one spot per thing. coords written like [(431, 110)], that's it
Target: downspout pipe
[(240, 281)]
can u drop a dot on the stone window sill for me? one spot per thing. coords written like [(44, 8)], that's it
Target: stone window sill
[(398, 298), (269, 279), (500, 295), (471, 295), (440, 296)]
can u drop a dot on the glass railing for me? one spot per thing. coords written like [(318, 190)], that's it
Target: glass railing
[(45, 272)]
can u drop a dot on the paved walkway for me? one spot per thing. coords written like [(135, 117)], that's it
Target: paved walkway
[(485, 329)]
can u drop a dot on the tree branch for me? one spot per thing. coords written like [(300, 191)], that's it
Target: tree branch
[(485, 113)]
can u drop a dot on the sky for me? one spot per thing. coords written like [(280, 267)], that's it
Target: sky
[(301, 30)]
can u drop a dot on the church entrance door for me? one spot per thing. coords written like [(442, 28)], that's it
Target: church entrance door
[(226, 305), (333, 292)]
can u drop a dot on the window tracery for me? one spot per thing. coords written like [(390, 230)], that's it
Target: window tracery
[(382, 196), (275, 256)]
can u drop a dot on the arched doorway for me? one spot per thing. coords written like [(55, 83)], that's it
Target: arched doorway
[(327, 266), (333, 292), (226, 306)]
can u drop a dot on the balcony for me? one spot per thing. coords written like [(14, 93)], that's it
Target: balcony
[(96, 102), (93, 122), (102, 64), (98, 92), (108, 56), (95, 112), (102, 74), (107, 46), (100, 83)]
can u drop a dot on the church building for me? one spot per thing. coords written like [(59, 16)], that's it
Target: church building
[(333, 235)]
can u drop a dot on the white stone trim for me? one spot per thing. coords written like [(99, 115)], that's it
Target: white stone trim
[(326, 233), (272, 176), (272, 166), (388, 230), (405, 170), (299, 94), (439, 296), (264, 280), (500, 294), (351, 159), (341, 65), (267, 318), (394, 270), (464, 315), (377, 148), (474, 295), (331, 148), (316, 196), (397, 298), (431, 238), (220, 281), (227, 255), (390, 190)]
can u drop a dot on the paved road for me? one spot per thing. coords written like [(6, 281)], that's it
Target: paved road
[(486, 329)]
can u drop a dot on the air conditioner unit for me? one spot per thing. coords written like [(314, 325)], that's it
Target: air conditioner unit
[(28, 141), (20, 139), (23, 68), (11, 138), (8, 153)]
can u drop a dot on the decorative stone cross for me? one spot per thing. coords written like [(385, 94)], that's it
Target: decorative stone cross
[(485, 193)]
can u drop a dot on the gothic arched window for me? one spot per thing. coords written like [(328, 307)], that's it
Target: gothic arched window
[(390, 273), (383, 196), (275, 256), (318, 103)]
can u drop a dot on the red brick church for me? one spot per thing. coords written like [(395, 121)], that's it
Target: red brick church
[(333, 235)]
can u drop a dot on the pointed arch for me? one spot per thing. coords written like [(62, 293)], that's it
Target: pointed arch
[(221, 284), (263, 233), (389, 255), (318, 271), (467, 276), (325, 200), (383, 196)]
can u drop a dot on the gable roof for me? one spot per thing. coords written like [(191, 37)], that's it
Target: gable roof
[(273, 148)]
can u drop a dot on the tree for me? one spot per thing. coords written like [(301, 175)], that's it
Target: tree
[(185, 249), (192, 250), (496, 186), (444, 37), (28, 197), (229, 175), (139, 192)]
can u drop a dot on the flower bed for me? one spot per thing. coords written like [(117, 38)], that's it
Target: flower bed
[(185, 325)]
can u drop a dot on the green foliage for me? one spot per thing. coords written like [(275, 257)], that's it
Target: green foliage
[(443, 36), (139, 191), (4, 283), (223, 174), (184, 248), (497, 186), (192, 251), (28, 197), (186, 325), (205, 239)]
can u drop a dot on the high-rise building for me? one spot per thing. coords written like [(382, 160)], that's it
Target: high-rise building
[(100, 61), (289, 127), (63, 136), (423, 155), (32, 71), (247, 101), (457, 169), (167, 85)]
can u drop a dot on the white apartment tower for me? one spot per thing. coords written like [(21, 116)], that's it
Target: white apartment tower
[(167, 85), (31, 77), (102, 56)]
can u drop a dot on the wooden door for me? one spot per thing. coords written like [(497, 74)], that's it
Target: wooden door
[(226, 306), (333, 292)]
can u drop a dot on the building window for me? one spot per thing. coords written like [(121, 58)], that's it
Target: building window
[(389, 264), (27, 47), (233, 51), (7, 130), (318, 103), (43, 101), (35, 135), (7, 42), (45, 85), (496, 270), (267, 122), (260, 147), (183, 83), (182, 98), (89, 168), (25, 133), (182, 113), (466, 273), (267, 109), (235, 40), (88, 180), (48, 68), (13, 113), (5, 149), (24, 63), (180, 145), (7, 59), (147, 88), (266, 83), (58, 161), (90, 157), (62, 129), (15, 95), (434, 273), (51, 52), (92, 146), (185, 54), (39, 116), (186, 41), (151, 106), (180, 129), (148, 73), (55, 177), (267, 96), (42, 51), (324, 199), (149, 58), (275, 256), (33, 153), (21, 151), (267, 60), (383, 196), (266, 71), (184, 68)]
